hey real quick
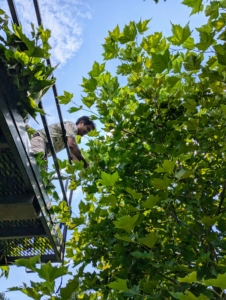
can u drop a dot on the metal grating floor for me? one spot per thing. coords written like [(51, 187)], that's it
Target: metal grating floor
[(25, 247), (11, 182)]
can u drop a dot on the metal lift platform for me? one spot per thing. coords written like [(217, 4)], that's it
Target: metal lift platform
[(26, 227)]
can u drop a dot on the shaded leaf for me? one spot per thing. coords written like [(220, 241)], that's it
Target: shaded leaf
[(134, 194), (143, 255), (126, 222), (150, 202), (160, 62), (149, 240)]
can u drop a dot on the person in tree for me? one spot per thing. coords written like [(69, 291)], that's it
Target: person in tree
[(39, 142)]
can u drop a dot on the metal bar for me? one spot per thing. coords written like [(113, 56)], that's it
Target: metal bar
[(53, 153), (28, 198), (38, 14), (44, 258), (61, 122), (21, 232), (3, 142), (70, 197), (13, 12), (39, 19), (37, 10)]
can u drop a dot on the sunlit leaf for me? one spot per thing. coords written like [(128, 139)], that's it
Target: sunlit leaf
[(119, 285), (109, 179), (126, 222)]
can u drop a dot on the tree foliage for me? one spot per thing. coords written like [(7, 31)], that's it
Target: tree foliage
[(3, 297), (24, 60), (152, 221)]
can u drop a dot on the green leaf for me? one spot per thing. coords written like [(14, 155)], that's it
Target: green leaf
[(74, 109), (97, 69), (108, 179), (50, 273), (206, 40), (29, 263), (180, 34), (143, 255), (196, 5), (129, 33), (160, 62), (151, 201), (89, 100), (220, 281), (190, 278), (110, 50), (142, 26), (192, 62), (78, 139), (123, 238), (223, 108), (206, 28), (188, 296), (126, 222), (209, 221), (115, 34), (183, 174), (161, 184), (119, 285), (168, 166), (134, 194), (21, 56), (149, 240), (72, 286), (190, 105), (89, 85), (172, 81), (4, 271), (66, 98), (32, 293), (110, 200), (30, 44), (132, 292), (93, 133)]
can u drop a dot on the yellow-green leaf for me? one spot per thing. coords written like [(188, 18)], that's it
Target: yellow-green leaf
[(126, 222), (119, 285), (149, 240), (220, 281), (180, 34), (151, 201), (191, 277)]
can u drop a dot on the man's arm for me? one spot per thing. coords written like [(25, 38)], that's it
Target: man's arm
[(75, 152)]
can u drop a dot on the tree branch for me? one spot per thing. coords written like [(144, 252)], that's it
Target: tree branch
[(222, 195)]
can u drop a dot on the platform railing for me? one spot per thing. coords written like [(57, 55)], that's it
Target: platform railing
[(63, 187)]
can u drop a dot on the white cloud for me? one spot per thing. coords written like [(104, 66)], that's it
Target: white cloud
[(65, 20)]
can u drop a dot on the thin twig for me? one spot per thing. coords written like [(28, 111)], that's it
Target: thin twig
[(222, 195), (173, 281), (89, 110)]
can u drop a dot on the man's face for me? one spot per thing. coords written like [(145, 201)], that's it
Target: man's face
[(83, 129)]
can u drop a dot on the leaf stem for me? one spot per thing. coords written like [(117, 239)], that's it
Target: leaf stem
[(89, 110)]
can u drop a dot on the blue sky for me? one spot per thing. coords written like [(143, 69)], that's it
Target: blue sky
[(78, 30)]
